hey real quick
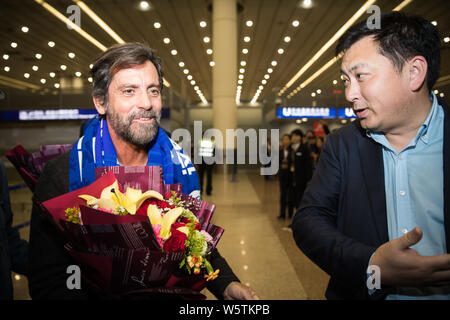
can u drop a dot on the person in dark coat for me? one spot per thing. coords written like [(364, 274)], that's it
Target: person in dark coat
[(285, 175), (13, 250), (301, 169)]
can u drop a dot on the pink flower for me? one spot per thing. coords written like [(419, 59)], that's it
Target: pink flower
[(157, 230)]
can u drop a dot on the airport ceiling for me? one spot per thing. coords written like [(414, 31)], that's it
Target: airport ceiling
[(46, 42)]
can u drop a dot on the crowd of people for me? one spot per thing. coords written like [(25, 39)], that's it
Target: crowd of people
[(298, 157)]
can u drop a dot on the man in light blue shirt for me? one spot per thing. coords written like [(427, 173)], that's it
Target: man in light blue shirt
[(376, 214), (414, 184)]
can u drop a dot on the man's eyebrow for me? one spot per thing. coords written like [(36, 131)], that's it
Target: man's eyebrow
[(354, 67), (133, 85)]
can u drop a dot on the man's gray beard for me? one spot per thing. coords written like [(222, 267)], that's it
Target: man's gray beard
[(142, 135)]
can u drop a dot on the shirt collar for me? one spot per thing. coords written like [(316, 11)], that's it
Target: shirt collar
[(422, 133)]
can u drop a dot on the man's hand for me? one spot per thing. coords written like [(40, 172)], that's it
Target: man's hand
[(400, 265), (237, 291)]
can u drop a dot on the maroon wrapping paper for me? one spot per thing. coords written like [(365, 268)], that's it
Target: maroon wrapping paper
[(30, 166), (120, 254), (138, 177)]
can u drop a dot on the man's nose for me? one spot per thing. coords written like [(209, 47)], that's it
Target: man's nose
[(352, 92), (145, 101)]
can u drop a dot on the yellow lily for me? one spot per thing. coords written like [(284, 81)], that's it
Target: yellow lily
[(113, 199), (165, 221)]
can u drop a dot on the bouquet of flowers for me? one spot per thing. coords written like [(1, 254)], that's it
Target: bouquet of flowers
[(128, 241), (131, 234)]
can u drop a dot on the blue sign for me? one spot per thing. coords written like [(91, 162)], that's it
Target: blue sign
[(306, 112), (346, 113), (57, 114)]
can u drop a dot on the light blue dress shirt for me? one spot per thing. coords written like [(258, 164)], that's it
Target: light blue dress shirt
[(414, 184)]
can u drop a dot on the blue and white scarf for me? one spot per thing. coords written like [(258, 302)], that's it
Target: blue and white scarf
[(95, 149)]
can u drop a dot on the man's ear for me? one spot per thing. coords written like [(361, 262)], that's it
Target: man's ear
[(418, 68), (99, 105)]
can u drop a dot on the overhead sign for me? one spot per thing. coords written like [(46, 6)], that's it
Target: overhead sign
[(346, 113), (57, 114), (306, 112)]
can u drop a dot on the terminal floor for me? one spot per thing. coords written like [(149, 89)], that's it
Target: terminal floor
[(259, 247)]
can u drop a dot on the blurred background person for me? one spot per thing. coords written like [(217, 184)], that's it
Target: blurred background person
[(285, 174), (13, 250)]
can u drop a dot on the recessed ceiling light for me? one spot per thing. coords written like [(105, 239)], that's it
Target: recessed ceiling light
[(63, 67), (274, 63), (13, 44), (181, 64), (280, 51), (56, 85), (295, 23), (189, 77), (263, 81), (25, 29), (91, 66), (270, 70), (193, 82), (247, 39), (436, 91), (212, 63), (71, 55), (249, 23), (5, 57), (287, 39), (241, 76), (157, 25), (319, 91), (186, 71), (196, 88), (174, 52), (78, 74), (245, 51), (434, 23), (209, 51), (166, 40), (241, 70), (7, 68), (26, 75), (240, 81), (446, 39), (206, 39), (243, 63), (441, 95), (35, 68), (313, 94), (38, 56), (335, 81), (90, 79), (203, 24), (43, 81), (144, 6), (266, 76), (305, 4), (51, 44), (52, 74)]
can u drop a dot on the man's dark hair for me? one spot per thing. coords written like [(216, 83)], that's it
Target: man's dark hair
[(118, 57), (297, 132), (400, 38)]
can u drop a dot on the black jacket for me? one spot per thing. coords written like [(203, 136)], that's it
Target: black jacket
[(48, 258), (342, 218), (13, 250), (303, 167)]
